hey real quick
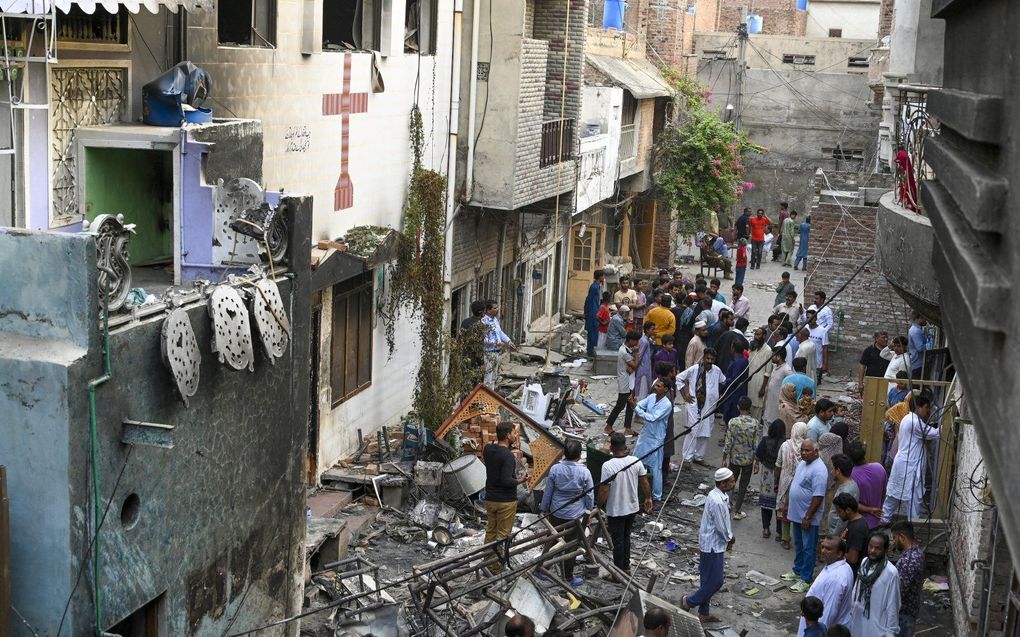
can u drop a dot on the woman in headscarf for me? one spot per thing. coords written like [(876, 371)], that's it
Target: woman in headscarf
[(829, 445), (789, 409), (765, 457), (761, 354), (786, 463)]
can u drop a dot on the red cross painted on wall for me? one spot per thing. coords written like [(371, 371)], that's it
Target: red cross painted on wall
[(343, 104)]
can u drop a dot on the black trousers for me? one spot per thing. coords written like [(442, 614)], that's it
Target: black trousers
[(568, 565), (619, 530), (621, 404)]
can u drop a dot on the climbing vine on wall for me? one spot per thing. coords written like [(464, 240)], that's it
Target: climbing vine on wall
[(699, 163), (416, 290)]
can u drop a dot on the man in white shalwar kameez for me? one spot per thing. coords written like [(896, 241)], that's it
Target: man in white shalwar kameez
[(905, 489), (699, 386), (876, 606)]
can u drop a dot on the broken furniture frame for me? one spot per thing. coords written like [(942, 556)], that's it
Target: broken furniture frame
[(438, 586)]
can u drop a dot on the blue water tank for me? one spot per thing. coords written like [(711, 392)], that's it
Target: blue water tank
[(754, 24), (802, 5), (612, 15)]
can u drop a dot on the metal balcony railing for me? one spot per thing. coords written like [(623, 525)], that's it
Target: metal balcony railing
[(557, 141), (913, 126)]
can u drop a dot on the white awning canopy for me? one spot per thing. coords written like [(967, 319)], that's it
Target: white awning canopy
[(89, 6), (638, 76)]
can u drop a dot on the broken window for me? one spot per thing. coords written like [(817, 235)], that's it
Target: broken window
[(420, 27), (246, 23), (793, 58), (354, 25), (835, 33), (100, 27), (858, 61), (351, 347)]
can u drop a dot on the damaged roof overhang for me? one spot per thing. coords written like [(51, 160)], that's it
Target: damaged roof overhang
[(339, 265), (638, 76)]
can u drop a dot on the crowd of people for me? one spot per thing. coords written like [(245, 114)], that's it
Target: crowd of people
[(691, 343)]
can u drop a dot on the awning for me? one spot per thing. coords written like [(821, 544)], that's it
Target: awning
[(640, 77), (89, 6)]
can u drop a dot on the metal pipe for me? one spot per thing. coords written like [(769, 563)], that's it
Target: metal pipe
[(497, 284), (5, 557), (469, 182), (94, 454)]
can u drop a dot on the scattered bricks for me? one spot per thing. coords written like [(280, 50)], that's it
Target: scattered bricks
[(372, 469), (327, 244)]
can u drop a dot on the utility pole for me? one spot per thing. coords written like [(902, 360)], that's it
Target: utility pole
[(741, 66)]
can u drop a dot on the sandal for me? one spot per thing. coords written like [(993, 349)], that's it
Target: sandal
[(779, 536), (786, 545), (766, 533), (684, 605)]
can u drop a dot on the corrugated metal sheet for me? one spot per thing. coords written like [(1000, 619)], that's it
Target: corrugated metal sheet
[(89, 6), (640, 77)]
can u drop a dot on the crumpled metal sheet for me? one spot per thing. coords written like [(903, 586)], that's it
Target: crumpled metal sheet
[(231, 328), (271, 319), (179, 347)]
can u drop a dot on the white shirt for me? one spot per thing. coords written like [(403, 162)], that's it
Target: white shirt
[(741, 308), (897, 363), (835, 587), (906, 480), (700, 418), (791, 311), (885, 606), (808, 350), (715, 532), (825, 317), (624, 377), (623, 490), (820, 337)]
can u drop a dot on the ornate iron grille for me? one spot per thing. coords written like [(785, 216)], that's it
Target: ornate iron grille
[(79, 97)]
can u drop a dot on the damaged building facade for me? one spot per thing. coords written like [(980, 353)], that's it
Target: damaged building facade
[(578, 195)]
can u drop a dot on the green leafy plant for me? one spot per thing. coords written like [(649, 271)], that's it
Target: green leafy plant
[(698, 158), (416, 290)]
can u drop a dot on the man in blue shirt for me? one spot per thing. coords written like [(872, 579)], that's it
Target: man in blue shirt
[(569, 492), (917, 343), (807, 491), (654, 410), (493, 344), (591, 308)]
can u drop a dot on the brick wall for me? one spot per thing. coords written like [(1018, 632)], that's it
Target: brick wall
[(664, 35), (706, 17), (779, 17), (970, 542), (842, 237), (475, 242), (550, 25), (662, 242), (885, 18)]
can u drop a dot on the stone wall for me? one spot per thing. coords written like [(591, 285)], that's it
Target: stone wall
[(842, 237)]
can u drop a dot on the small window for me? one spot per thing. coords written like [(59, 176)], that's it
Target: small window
[(353, 25), (628, 126), (858, 62), (835, 33), (585, 249), (793, 58), (351, 346), (844, 153), (420, 27), (246, 23), (101, 27)]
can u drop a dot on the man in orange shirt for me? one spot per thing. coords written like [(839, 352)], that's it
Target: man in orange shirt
[(665, 322), (757, 225)]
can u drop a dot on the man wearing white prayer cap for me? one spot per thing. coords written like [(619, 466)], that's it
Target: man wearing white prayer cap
[(714, 538)]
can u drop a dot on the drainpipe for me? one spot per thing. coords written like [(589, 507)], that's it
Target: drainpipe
[(94, 451), (469, 182), (500, 248), (452, 206)]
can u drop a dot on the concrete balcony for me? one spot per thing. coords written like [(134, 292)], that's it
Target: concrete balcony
[(904, 245)]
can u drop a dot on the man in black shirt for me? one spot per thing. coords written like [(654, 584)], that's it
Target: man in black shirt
[(500, 486), (856, 532), (872, 363)]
